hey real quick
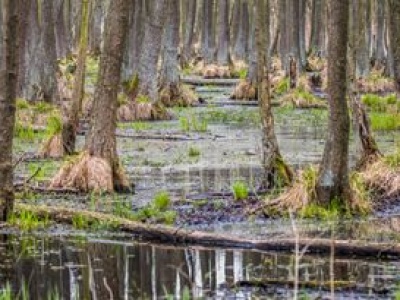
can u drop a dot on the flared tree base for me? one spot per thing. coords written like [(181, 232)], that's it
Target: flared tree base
[(92, 174), (179, 95), (136, 111)]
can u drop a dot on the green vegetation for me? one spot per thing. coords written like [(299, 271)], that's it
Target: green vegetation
[(28, 221), (385, 121), (54, 125), (80, 222), (22, 104), (161, 201), (193, 123), (194, 152), (24, 132), (380, 104), (240, 190), (282, 87), (137, 126)]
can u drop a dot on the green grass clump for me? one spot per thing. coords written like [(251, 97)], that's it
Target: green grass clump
[(385, 121), (194, 152), (27, 221), (240, 190), (80, 222), (43, 107), (22, 104), (54, 125), (193, 123), (282, 87), (143, 99), (24, 132), (377, 103), (161, 201)]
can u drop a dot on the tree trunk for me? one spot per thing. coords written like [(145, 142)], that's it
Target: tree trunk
[(95, 27), (60, 34), (362, 51), (207, 36), (394, 6), (283, 46), (302, 33), (317, 40), (70, 124), (275, 169), (41, 81), (380, 35), (188, 39), (241, 41), (223, 54), (333, 180), (98, 168), (8, 84), (151, 50)]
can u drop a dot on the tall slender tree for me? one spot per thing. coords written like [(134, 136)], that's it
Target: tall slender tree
[(275, 169), (98, 167), (394, 8), (333, 180), (8, 89)]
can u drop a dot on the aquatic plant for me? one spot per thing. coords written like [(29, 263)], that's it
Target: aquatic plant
[(193, 123), (161, 201), (194, 152), (27, 221), (240, 190), (24, 132), (385, 121)]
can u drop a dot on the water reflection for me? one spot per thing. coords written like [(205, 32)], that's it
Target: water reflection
[(110, 269)]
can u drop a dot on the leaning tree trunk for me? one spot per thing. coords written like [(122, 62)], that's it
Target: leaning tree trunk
[(188, 39), (98, 167), (223, 54), (394, 25), (71, 122), (275, 169), (8, 84), (367, 147), (333, 179)]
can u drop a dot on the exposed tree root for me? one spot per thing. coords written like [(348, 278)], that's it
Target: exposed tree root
[(88, 173), (143, 111), (245, 90), (163, 234), (177, 96), (53, 147)]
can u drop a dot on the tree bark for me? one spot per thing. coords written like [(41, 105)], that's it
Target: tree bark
[(96, 27), (362, 47), (223, 54), (395, 40), (380, 35), (317, 40), (151, 49), (71, 122), (188, 38), (8, 89), (98, 168), (241, 41), (275, 169), (333, 180), (207, 36)]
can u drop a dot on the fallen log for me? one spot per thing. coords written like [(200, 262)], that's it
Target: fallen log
[(168, 137), (170, 235)]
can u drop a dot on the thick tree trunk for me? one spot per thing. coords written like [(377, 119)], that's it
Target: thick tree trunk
[(223, 54), (98, 168), (8, 88), (333, 180), (207, 36), (59, 23), (302, 33), (71, 122), (283, 46), (394, 6), (41, 81), (188, 31), (275, 169), (151, 50)]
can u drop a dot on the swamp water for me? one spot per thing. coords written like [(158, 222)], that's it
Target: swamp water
[(101, 267)]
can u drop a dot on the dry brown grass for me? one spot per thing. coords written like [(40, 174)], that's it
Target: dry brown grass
[(180, 96), (87, 173), (52, 147), (383, 176), (245, 90), (215, 71), (141, 111)]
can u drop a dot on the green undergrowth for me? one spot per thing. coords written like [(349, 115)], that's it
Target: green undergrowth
[(27, 221), (378, 103), (193, 123), (385, 121), (240, 190)]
